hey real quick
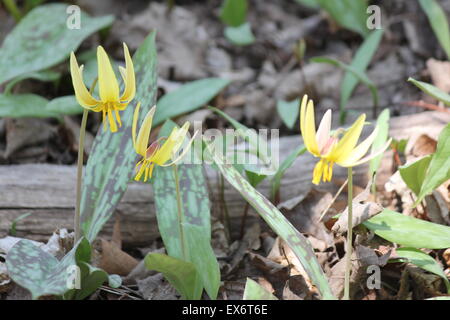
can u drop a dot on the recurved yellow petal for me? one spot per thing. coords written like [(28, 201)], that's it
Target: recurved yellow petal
[(370, 156), (309, 135), (82, 94), (128, 77), (348, 142), (358, 152), (108, 87), (185, 150), (303, 113), (141, 143)]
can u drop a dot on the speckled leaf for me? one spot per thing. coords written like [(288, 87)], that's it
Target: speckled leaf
[(276, 220), (196, 225), (113, 159), (254, 291), (38, 271), (42, 39)]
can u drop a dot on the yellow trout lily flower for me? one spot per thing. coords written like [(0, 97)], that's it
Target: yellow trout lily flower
[(110, 102), (329, 147), (157, 153)]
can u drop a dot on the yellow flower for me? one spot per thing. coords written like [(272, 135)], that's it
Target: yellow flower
[(156, 153), (329, 148), (110, 99)]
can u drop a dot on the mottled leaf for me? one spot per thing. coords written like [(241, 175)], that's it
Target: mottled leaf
[(42, 39), (195, 233), (38, 271), (181, 274), (408, 231), (113, 158), (279, 224)]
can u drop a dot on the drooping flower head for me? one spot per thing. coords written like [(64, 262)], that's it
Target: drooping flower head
[(110, 101), (160, 151), (330, 147)]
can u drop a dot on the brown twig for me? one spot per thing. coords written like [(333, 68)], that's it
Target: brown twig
[(425, 105)]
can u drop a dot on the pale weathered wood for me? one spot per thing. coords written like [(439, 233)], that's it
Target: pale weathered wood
[(48, 191)]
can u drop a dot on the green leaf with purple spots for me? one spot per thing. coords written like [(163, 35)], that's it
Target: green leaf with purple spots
[(43, 39)]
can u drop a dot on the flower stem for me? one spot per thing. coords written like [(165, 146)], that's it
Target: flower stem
[(180, 211), (348, 253), (77, 226), (77, 218)]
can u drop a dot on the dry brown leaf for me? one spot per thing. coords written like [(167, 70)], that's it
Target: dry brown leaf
[(424, 145), (439, 73), (112, 259), (361, 211)]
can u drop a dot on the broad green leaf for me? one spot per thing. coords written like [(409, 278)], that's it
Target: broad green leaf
[(44, 75), (438, 20), (253, 291), (380, 140), (233, 12), (66, 105), (42, 39), (350, 14), (432, 91), (361, 76), (113, 158), (24, 105), (195, 233), (286, 164), (279, 224), (424, 261), (181, 274), (309, 3), (91, 279), (38, 271), (288, 111), (439, 168), (408, 231), (240, 36), (360, 62), (414, 173), (187, 98)]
